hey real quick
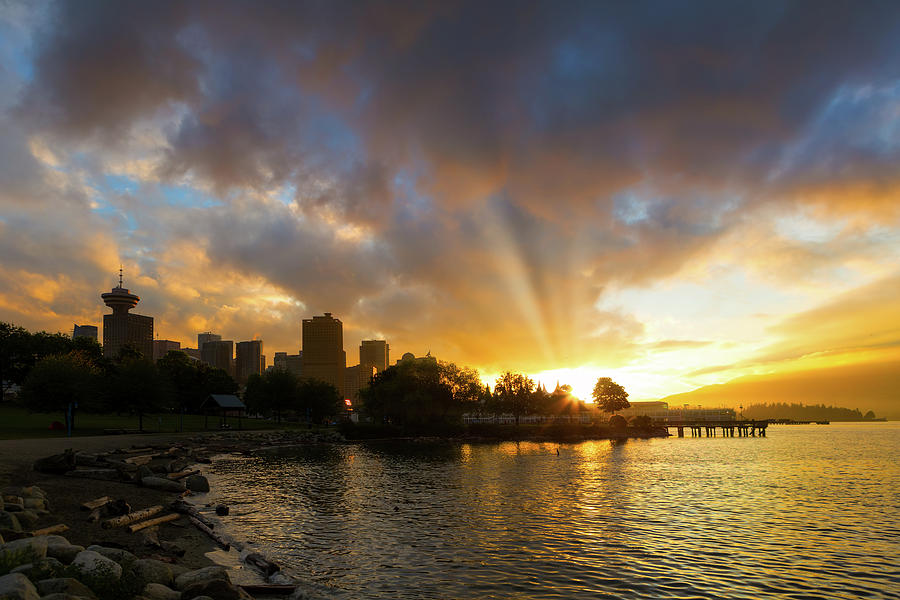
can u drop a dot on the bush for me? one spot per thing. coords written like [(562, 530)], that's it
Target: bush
[(618, 422)]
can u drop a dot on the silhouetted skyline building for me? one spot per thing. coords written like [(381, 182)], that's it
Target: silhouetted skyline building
[(249, 359), (322, 339), (88, 331), (356, 378), (219, 354), (292, 363), (123, 328), (161, 347), (375, 353), (208, 336)]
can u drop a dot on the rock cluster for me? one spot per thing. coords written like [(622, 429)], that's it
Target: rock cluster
[(48, 567), (22, 507)]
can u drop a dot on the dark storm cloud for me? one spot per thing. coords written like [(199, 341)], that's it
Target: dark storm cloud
[(497, 163), (490, 96)]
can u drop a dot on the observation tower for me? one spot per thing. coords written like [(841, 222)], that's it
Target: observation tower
[(123, 328)]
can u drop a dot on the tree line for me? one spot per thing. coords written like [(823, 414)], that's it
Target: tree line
[(58, 374), (422, 391), (805, 412)]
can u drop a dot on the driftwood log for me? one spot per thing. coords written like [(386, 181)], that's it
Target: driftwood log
[(225, 544), (183, 474), (94, 504), (152, 522), (190, 510), (131, 518), (53, 529)]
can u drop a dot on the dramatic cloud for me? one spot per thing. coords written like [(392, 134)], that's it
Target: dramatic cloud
[(645, 186)]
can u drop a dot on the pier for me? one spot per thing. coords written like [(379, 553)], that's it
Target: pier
[(729, 428)]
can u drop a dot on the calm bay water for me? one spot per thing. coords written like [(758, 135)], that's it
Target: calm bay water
[(811, 511)]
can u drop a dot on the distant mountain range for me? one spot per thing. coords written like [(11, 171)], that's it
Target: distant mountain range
[(867, 386)]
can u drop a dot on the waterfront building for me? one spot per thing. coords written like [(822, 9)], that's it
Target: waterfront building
[(249, 360), (161, 347), (88, 331), (122, 328), (356, 378), (374, 353), (289, 362), (660, 412), (218, 354), (322, 339)]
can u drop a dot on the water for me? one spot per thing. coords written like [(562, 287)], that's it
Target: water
[(811, 511)]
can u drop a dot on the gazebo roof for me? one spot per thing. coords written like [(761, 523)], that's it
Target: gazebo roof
[(226, 401)]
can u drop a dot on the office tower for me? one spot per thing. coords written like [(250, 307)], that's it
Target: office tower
[(122, 328), (356, 378), (202, 338), (218, 354), (323, 350), (249, 360), (374, 353), (289, 362), (161, 347), (88, 331)]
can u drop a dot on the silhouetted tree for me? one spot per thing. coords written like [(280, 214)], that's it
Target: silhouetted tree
[(138, 387), (319, 400), (610, 396), (21, 350), (515, 394), (421, 391), (61, 383)]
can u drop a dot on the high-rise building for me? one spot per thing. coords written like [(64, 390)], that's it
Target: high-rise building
[(218, 354), (249, 360), (122, 328), (375, 353), (289, 362), (356, 378), (323, 350), (88, 331), (208, 336), (161, 347)]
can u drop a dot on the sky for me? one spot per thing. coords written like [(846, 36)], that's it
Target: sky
[(673, 194)]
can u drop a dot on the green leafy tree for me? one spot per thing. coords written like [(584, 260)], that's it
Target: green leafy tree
[(609, 396), (61, 383), (515, 392)]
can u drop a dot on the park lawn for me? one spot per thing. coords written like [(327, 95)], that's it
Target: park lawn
[(16, 423)]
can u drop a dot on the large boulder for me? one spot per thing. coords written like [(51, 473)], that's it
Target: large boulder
[(64, 585), (148, 570), (62, 550), (123, 557), (56, 464), (98, 570), (16, 586), (197, 483), (163, 483), (205, 574), (24, 551), (219, 589), (155, 591), (42, 568), (9, 521), (27, 519)]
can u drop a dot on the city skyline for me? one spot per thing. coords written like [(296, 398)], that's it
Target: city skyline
[(672, 195)]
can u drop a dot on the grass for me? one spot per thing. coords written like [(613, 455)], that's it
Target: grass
[(16, 423)]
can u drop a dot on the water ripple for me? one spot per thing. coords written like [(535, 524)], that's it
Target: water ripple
[(808, 512)]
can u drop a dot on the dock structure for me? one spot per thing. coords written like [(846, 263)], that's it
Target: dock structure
[(729, 428)]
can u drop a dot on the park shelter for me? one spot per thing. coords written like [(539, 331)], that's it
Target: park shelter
[(223, 406)]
